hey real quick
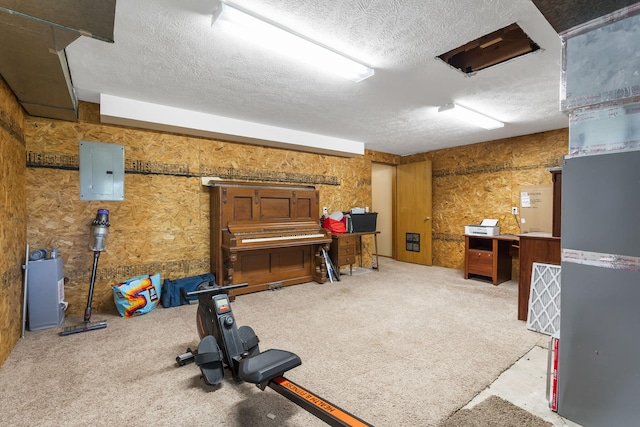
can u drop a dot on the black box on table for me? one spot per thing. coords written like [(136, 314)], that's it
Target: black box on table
[(364, 222)]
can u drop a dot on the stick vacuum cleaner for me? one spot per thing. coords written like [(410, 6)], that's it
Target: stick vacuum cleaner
[(100, 228)]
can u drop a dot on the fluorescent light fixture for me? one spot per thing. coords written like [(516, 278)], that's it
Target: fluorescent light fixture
[(241, 23), (470, 116)]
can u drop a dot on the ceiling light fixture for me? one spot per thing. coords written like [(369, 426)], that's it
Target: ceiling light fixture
[(470, 116), (234, 20)]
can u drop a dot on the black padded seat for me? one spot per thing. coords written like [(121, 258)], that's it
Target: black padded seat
[(265, 366)]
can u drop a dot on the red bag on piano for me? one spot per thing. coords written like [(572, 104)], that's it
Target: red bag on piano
[(335, 227)]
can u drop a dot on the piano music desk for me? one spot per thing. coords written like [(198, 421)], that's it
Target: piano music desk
[(346, 247)]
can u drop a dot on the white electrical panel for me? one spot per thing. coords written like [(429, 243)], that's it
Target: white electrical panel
[(101, 171)]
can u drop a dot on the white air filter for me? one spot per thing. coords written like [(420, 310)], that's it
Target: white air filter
[(544, 300)]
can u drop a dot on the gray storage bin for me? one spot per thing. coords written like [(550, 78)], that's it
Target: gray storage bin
[(45, 294)]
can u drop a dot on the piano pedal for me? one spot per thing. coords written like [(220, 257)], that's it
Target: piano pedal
[(275, 285)]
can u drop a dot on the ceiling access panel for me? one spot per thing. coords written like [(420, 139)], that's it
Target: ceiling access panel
[(491, 49)]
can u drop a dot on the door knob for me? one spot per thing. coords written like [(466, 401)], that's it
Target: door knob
[(427, 218)]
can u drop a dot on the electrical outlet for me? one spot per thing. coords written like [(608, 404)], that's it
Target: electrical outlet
[(514, 210), (325, 211)]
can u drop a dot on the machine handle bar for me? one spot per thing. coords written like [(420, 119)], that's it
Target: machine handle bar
[(215, 290)]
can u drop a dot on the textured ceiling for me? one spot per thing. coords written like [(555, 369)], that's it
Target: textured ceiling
[(165, 52)]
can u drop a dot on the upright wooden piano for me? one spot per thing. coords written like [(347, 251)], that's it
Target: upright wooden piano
[(266, 235)]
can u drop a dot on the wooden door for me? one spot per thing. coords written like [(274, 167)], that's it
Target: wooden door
[(383, 180), (413, 213)]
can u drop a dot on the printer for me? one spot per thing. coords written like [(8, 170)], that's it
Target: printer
[(488, 227)]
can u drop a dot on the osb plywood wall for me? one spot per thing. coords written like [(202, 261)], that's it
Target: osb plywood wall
[(163, 223), (13, 219), (483, 180)]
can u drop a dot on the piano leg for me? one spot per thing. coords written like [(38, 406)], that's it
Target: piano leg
[(229, 268)]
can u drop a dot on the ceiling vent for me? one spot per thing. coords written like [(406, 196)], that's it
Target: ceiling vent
[(500, 46)]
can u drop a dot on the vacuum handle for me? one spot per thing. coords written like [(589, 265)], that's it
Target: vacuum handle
[(215, 290), (87, 311)]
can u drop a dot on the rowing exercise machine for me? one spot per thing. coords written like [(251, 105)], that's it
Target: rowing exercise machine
[(224, 344)]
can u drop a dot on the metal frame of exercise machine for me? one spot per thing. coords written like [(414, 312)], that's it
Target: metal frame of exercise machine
[(224, 344)]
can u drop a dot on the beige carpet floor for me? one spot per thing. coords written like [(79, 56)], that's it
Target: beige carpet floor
[(406, 345)]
